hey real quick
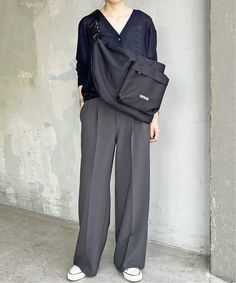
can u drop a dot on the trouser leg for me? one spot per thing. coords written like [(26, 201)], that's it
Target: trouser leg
[(97, 149), (132, 182)]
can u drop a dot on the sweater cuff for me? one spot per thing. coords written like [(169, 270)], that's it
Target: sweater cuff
[(81, 79)]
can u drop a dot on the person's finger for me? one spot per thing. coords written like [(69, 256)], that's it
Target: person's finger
[(155, 135), (151, 132)]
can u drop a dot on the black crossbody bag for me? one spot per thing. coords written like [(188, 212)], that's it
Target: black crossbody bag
[(126, 80)]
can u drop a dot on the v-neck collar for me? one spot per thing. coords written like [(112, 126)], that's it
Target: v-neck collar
[(111, 26)]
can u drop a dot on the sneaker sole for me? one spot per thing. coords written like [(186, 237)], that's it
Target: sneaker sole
[(75, 277), (132, 278)]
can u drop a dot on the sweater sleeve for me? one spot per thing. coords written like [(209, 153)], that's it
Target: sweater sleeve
[(82, 57), (152, 45), (152, 41)]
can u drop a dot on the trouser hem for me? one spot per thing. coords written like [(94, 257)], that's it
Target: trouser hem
[(86, 270), (122, 268)]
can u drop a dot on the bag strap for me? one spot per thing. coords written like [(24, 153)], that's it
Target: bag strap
[(94, 27)]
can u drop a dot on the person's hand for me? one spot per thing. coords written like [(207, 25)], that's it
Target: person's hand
[(81, 103), (154, 128), (81, 98)]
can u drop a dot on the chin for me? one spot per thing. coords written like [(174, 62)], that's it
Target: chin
[(114, 1)]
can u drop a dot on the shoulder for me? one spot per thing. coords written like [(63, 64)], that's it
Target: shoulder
[(87, 19), (146, 18)]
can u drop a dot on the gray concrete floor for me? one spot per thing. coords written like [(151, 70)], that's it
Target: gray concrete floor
[(39, 248)]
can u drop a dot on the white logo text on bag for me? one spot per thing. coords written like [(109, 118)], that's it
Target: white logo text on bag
[(143, 97)]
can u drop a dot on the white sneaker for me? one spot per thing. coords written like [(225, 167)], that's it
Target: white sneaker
[(133, 274), (75, 273)]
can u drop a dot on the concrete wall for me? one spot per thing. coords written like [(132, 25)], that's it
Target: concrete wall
[(39, 115), (223, 187)]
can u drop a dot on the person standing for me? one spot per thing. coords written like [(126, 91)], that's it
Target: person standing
[(107, 132)]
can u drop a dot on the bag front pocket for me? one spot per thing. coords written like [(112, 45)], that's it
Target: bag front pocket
[(143, 88)]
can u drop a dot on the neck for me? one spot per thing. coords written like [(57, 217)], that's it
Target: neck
[(116, 8)]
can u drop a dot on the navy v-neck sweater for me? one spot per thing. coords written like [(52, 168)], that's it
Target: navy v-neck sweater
[(139, 34)]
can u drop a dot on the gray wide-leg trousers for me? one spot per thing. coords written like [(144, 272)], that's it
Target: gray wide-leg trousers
[(104, 129)]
